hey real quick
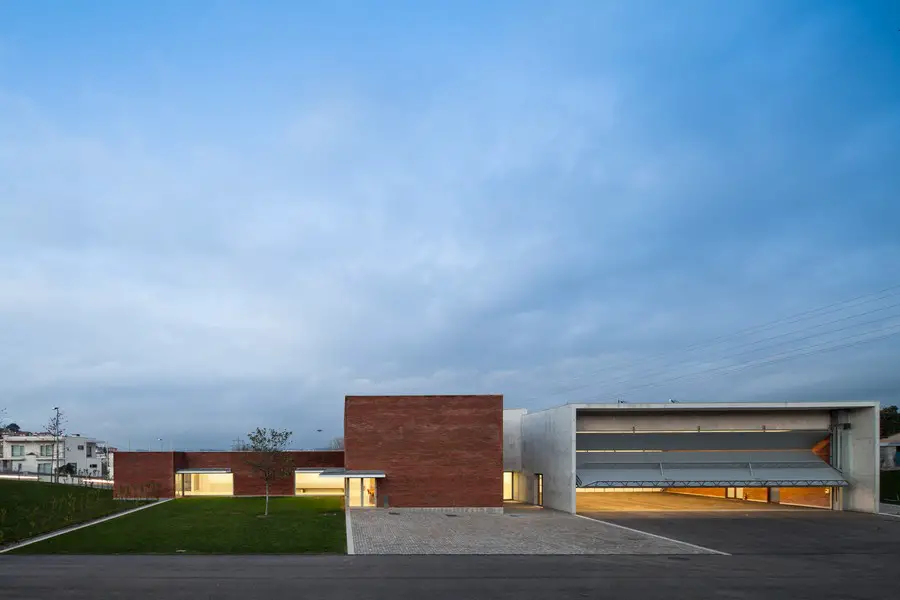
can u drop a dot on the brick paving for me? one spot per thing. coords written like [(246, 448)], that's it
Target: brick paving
[(517, 531)]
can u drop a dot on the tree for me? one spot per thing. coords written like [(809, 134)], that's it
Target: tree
[(67, 469), (890, 421), (336, 443), (268, 457), (13, 428), (56, 428)]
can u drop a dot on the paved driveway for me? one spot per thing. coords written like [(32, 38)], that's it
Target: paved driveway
[(517, 531), (795, 532)]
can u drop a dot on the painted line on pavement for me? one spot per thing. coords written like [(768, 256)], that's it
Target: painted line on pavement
[(58, 532), (661, 537), (350, 548)]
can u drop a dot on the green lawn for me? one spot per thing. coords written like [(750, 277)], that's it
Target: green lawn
[(30, 508), (213, 526), (890, 486)]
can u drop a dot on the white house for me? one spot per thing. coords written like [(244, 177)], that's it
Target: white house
[(42, 453)]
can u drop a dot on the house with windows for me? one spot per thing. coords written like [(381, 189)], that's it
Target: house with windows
[(42, 454)]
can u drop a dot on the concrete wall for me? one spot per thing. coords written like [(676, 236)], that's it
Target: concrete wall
[(857, 455), (648, 420), (548, 447), (435, 451), (512, 438)]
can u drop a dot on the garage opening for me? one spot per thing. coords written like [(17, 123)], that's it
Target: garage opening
[(698, 470)]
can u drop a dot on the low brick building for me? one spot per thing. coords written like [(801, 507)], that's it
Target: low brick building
[(402, 451)]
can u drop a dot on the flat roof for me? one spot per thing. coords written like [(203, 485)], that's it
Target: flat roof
[(831, 405)]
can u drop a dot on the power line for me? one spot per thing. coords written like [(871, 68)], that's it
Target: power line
[(628, 379), (785, 356), (805, 315)]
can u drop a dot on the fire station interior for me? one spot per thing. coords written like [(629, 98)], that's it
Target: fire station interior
[(689, 467)]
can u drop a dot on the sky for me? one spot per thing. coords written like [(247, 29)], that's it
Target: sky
[(218, 215)]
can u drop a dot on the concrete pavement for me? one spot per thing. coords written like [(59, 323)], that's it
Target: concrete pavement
[(692, 577)]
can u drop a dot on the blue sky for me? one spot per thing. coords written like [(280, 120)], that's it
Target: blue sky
[(219, 215)]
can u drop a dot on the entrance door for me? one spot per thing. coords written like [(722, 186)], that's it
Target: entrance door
[(362, 492), (539, 489)]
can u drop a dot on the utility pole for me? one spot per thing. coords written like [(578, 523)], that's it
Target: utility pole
[(56, 445)]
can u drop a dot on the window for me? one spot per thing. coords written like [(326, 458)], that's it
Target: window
[(90, 451), (18, 450), (46, 449), (81, 446), (45, 468), (94, 466)]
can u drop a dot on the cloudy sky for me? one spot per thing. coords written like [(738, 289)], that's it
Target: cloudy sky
[(216, 215)]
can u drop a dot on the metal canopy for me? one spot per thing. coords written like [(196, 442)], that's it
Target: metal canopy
[(352, 473), (791, 468), (202, 471)]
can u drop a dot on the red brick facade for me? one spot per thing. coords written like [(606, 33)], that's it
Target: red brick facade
[(436, 451), (144, 475), (152, 474)]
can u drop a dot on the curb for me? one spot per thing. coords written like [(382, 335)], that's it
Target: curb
[(59, 532), (350, 547)]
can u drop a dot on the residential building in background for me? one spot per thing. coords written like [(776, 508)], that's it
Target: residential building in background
[(42, 454)]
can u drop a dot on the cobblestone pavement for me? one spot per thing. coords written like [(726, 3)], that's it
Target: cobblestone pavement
[(518, 531)]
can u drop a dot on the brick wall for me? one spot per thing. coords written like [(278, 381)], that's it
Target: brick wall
[(144, 470), (144, 475), (436, 451)]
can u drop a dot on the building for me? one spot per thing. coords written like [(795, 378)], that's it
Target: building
[(42, 453), (811, 454), (435, 452), (889, 446)]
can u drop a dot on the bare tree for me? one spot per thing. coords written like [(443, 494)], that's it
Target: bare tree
[(268, 457), (336, 443), (239, 445), (56, 428)]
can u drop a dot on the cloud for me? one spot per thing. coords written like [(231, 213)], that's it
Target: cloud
[(549, 229)]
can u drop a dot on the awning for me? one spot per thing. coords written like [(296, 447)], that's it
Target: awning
[(789, 468), (202, 471), (351, 473)]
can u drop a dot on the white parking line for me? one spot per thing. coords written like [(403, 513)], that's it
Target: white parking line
[(350, 548), (53, 534), (661, 537)]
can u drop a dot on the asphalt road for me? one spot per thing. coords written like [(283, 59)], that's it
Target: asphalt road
[(790, 532), (774, 577)]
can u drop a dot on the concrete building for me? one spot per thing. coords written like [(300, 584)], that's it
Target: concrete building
[(41, 453), (466, 451), (811, 454)]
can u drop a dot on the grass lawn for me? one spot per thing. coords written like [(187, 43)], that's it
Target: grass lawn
[(213, 526), (30, 508), (890, 486)]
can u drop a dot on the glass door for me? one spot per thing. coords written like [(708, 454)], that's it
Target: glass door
[(362, 492)]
